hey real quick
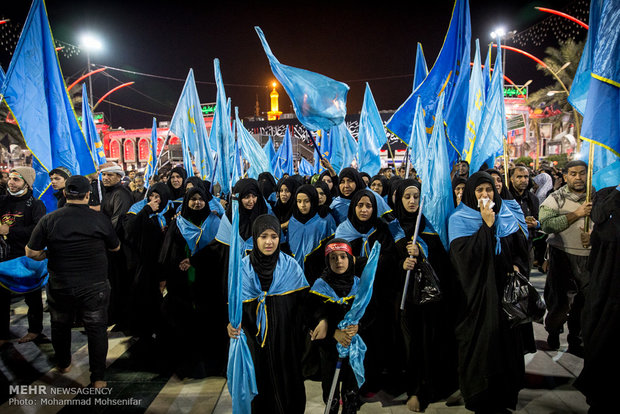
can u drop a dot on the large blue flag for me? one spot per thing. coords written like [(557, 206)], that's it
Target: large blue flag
[(449, 76), (251, 150), (421, 70), (305, 168), (221, 132), (475, 105), (418, 143), (601, 120), (2, 75), (371, 136), (284, 157), (343, 146), (35, 91), (90, 130), (486, 71), (151, 164), (240, 373), (357, 348), (436, 181), (270, 151), (492, 131), (319, 102), (23, 274)]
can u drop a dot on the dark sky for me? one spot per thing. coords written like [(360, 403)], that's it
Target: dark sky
[(350, 41)]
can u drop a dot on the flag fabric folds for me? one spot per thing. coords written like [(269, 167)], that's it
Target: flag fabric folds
[(187, 124), (492, 131), (251, 150), (305, 168), (436, 181), (221, 133), (270, 151), (418, 143), (22, 274), (284, 157), (240, 373), (486, 71), (90, 130), (371, 136), (35, 91), (601, 119), (448, 76), (357, 348), (319, 102), (475, 105), (421, 70), (151, 164), (343, 146)]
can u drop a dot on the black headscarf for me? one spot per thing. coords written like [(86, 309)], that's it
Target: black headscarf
[(343, 283), (324, 209), (264, 265), (384, 182), (505, 194), (195, 216), (197, 182), (455, 182), (354, 175), (164, 195), (363, 226), (243, 187), (310, 191), (469, 193), (334, 190), (394, 181), (365, 174), (406, 219), (284, 211), (177, 192), (266, 183)]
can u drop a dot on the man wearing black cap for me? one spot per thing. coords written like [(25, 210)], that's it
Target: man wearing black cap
[(76, 238), (58, 176)]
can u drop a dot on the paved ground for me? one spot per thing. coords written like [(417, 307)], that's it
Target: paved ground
[(134, 388)]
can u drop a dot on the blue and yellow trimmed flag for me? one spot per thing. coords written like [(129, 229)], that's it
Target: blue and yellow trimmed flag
[(284, 157), (90, 130), (319, 102), (240, 373), (486, 71), (418, 143), (421, 70), (187, 124), (601, 119), (449, 76), (492, 131), (221, 133), (151, 164), (436, 180), (35, 91), (475, 105), (251, 150), (371, 136), (344, 147)]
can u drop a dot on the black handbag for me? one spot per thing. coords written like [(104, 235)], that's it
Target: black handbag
[(425, 284), (521, 301)]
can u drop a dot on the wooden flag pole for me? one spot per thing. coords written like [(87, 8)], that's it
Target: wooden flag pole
[(586, 224)]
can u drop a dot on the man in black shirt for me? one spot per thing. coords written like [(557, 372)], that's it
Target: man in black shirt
[(520, 190), (58, 176), (77, 238)]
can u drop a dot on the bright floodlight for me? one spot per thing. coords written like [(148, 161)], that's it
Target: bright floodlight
[(90, 42), (499, 32)]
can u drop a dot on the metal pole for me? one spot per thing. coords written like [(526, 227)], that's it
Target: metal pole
[(90, 81), (586, 224), (334, 384), (414, 238)]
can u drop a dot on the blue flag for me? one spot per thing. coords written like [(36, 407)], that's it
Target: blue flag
[(151, 164), (305, 168), (344, 147), (251, 150), (240, 373), (492, 131), (371, 136), (421, 70), (284, 157), (449, 76), (475, 105), (357, 349), (23, 274), (35, 91), (319, 102), (601, 119), (436, 181), (486, 71), (2, 76), (418, 143), (90, 130), (270, 151), (222, 134)]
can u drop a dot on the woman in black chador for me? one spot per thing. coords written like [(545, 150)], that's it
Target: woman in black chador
[(192, 297), (486, 245), (274, 289)]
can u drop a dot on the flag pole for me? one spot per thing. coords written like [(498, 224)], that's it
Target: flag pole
[(391, 153), (414, 238), (506, 161), (332, 391), (586, 223), (161, 152), (316, 147)]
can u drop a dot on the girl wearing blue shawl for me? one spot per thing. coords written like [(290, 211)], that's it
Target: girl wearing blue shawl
[(486, 245), (380, 185), (284, 206), (274, 288), (191, 298), (428, 344), (325, 198), (145, 226), (331, 297), (308, 231)]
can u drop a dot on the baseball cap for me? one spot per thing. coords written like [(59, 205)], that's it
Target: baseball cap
[(77, 184)]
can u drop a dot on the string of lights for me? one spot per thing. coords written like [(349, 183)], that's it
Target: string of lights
[(136, 109)]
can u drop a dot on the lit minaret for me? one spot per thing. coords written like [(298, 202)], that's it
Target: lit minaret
[(274, 114)]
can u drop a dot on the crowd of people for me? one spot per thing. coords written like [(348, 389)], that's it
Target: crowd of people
[(152, 261)]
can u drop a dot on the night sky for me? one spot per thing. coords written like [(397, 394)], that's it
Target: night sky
[(353, 42)]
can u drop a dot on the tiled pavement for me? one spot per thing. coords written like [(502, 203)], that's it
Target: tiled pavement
[(134, 388)]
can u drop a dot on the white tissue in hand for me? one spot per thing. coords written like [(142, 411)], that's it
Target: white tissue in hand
[(484, 201)]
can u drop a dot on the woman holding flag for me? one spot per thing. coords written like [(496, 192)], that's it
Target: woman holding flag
[(274, 289)]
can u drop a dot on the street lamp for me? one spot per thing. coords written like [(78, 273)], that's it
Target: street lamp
[(501, 34), (90, 43)]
